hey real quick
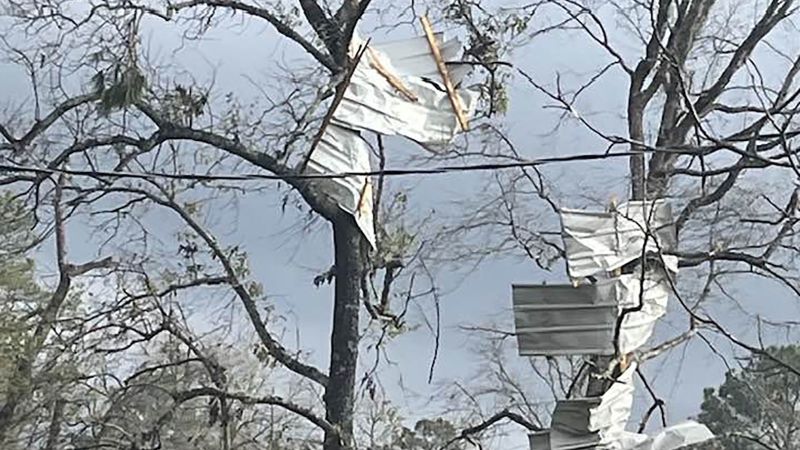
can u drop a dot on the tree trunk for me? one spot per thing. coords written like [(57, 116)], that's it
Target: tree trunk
[(597, 386), (340, 392)]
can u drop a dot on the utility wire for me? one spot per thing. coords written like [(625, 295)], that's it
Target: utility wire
[(12, 168)]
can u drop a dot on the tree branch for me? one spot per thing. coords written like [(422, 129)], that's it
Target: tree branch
[(280, 26), (306, 413), (275, 349), (504, 414)]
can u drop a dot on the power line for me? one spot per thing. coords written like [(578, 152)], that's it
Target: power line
[(438, 170)]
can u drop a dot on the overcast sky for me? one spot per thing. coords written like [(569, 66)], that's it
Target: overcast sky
[(286, 261)]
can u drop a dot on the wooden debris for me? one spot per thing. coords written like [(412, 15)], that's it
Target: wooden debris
[(337, 99), (455, 100), (393, 79)]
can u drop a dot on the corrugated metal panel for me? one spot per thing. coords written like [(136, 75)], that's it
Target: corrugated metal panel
[(638, 326), (593, 422), (343, 150), (413, 57), (369, 106), (564, 320), (371, 103), (598, 242), (599, 423)]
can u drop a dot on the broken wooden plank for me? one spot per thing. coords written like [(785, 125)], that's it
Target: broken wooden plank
[(455, 100), (394, 80), (337, 99)]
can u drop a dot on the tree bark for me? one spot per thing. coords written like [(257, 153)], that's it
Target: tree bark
[(340, 392), (56, 419)]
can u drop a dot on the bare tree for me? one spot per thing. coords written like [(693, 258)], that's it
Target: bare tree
[(710, 123), (121, 139), (132, 140)]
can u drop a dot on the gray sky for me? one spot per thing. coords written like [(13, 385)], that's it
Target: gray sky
[(286, 262)]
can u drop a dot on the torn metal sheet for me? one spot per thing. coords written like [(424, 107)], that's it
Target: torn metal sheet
[(676, 436), (600, 242), (652, 294), (671, 438), (593, 422), (412, 57), (393, 91), (599, 423), (610, 417), (341, 150), (371, 103), (565, 320)]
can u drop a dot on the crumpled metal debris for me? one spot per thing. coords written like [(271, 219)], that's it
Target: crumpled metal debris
[(343, 150), (650, 297), (593, 421), (674, 437), (393, 91), (371, 103), (599, 423), (600, 242), (671, 438)]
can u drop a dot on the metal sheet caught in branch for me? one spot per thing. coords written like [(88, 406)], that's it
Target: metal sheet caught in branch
[(386, 95), (412, 57), (600, 242), (593, 422), (343, 150), (372, 103), (455, 100), (565, 320), (650, 297)]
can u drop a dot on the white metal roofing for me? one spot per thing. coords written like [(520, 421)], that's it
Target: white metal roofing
[(343, 150), (599, 242), (652, 294), (588, 422), (413, 57), (371, 103), (565, 320)]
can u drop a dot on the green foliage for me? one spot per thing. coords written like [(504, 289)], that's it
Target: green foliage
[(16, 223), (490, 36), (19, 293), (758, 406), (396, 239)]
